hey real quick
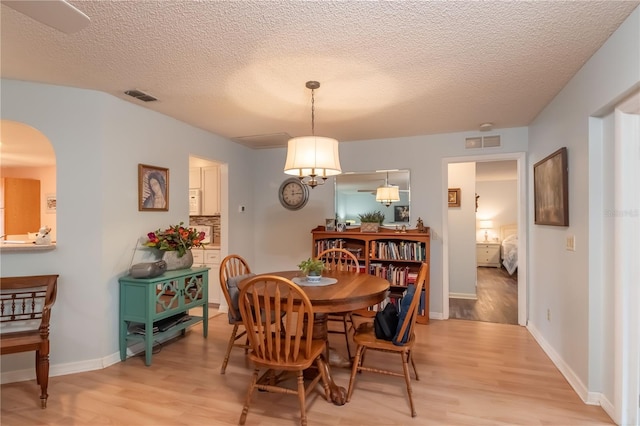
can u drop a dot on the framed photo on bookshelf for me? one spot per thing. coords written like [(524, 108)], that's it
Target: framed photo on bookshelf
[(341, 227), (330, 225)]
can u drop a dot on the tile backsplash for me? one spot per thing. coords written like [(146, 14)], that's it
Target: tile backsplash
[(210, 221)]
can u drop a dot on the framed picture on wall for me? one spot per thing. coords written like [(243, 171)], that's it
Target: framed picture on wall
[(401, 213), (153, 188), (51, 203), (551, 190), (454, 197)]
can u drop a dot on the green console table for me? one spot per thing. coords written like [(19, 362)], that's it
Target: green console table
[(145, 301)]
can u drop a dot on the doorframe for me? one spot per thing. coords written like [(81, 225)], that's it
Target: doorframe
[(627, 321), (520, 158)]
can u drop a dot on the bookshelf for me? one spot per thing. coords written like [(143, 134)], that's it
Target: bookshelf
[(393, 255)]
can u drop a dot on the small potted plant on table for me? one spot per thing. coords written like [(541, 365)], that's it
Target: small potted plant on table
[(371, 221), (312, 268)]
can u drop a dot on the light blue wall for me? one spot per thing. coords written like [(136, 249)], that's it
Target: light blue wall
[(462, 231), (99, 141)]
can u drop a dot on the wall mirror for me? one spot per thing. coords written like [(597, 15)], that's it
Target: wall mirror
[(356, 193)]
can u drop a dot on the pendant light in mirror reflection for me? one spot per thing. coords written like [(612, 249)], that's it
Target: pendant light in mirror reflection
[(312, 158), (387, 194)]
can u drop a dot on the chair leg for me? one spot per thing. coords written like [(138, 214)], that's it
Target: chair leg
[(354, 370), (346, 334), (301, 398), (247, 401), (42, 376), (38, 367), (413, 363), (407, 379), (232, 339)]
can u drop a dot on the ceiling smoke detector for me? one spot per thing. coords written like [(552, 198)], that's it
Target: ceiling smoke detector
[(485, 127)]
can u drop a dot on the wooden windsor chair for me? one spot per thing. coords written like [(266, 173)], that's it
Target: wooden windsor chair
[(339, 259), (233, 269), (402, 344), (286, 345)]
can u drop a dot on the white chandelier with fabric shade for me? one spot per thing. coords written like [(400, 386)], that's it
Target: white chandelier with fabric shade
[(312, 158), (387, 194)]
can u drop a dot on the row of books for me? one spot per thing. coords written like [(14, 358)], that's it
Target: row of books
[(322, 245), (391, 250), (403, 250), (396, 275), (396, 299)]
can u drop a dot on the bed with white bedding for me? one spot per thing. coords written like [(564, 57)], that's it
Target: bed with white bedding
[(509, 236)]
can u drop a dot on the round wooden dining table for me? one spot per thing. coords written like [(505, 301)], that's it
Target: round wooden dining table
[(351, 291)]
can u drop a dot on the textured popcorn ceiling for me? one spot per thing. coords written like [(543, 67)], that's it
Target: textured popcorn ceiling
[(386, 69)]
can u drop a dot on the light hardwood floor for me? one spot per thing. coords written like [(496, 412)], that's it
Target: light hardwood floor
[(471, 373)]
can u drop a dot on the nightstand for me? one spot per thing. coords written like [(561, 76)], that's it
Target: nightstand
[(488, 254)]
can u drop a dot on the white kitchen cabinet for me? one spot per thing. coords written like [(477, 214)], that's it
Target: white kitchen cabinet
[(210, 190), (194, 178), (211, 259)]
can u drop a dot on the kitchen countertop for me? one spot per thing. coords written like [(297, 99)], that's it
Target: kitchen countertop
[(24, 247), (212, 246)]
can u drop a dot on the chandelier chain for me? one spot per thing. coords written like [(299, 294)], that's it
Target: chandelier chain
[(313, 113)]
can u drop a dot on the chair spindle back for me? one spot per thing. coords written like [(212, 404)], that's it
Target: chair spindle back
[(271, 296), (338, 259)]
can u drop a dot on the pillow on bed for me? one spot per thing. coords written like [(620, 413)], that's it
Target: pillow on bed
[(512, 237)]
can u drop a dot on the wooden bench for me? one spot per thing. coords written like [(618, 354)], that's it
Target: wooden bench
[(25, 311)]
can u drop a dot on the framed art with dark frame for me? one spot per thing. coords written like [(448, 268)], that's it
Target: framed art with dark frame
[(401, 213), (551, 190), (454, 197), (153, 188)]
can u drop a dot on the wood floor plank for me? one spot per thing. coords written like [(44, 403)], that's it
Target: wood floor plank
[(471, 373), (497, 298)]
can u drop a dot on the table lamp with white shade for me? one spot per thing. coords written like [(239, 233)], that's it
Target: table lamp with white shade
[(486, 225)]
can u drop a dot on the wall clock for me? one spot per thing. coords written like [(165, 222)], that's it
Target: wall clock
[(293, 194)]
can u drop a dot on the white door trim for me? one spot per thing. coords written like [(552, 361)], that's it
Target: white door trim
[(626, 268)]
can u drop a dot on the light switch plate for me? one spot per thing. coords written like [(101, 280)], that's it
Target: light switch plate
[(571, 243)]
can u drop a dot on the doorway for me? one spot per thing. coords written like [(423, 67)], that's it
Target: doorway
[(467, 257), (485, 288)]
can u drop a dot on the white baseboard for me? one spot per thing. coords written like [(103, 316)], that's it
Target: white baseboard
[(469, 296), (607, 406), (436, 315), (590, 398)]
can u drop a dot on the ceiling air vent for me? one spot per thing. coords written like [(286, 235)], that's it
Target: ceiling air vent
[(140, 95), (482, 142)]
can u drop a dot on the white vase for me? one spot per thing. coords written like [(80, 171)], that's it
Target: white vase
[(314, 278), (174, 262)]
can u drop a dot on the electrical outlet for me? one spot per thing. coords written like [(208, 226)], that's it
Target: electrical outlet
[(571, 243), (549, 315)]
